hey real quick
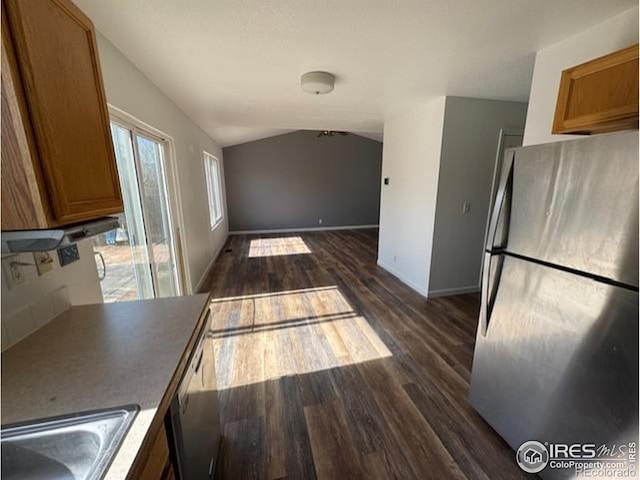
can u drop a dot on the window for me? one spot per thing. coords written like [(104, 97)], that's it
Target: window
[(214, 189), (139, 259)]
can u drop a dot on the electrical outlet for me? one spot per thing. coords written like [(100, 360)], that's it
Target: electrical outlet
[(68, 254), (466, 206), (13, 271), (44, 262), (319, 221)]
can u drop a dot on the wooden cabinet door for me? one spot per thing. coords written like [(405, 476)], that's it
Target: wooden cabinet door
[(58, 61), (600, 95), (24, 202)]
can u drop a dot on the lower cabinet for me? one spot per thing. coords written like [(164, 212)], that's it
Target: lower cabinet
[(158, 464), (169, 473)]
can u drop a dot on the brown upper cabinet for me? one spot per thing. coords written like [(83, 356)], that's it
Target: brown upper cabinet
[(600, 95), (58, 162)]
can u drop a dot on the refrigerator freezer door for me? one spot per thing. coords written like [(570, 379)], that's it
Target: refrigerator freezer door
[(559, 360), (575, 204)]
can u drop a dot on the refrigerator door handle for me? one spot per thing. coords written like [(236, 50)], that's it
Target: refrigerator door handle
[(504, 189), (490, 282)]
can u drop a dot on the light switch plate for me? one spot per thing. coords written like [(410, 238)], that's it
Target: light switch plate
[(44, 262)]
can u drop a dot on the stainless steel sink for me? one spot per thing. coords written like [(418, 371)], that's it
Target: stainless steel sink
[(79, 446)]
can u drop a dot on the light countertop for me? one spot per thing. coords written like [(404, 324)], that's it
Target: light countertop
[(101, 356)]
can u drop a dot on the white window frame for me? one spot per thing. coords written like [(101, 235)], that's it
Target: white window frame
[(213, 181)]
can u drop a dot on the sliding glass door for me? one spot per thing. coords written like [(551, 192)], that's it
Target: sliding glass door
[(139, 260)]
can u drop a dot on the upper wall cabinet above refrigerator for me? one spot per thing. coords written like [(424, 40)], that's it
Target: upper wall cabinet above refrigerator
[(58, 163), (600, 95)]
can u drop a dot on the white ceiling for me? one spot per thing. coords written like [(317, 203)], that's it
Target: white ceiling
[(233, 66)]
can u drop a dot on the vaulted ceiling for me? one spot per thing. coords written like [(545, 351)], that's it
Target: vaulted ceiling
[(233, 66)]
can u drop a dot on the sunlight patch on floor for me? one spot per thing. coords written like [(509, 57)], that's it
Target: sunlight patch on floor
[(268, 336), (271, 247)]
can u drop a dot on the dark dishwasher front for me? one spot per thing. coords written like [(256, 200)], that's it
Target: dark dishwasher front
[(194, 413)]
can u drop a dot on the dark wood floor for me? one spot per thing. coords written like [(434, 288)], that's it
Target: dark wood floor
[(331, 368)]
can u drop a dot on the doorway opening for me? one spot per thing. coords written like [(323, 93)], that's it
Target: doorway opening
[(138, 260)]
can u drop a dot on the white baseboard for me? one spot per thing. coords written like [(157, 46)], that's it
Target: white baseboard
[(308, 229), (445, 292), (208, 267), (422, 291)]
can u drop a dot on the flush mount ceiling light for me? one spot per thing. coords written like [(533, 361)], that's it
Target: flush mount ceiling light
[(317, 83)]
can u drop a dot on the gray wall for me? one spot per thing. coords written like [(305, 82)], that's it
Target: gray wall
[(469, 145), (292, 180)]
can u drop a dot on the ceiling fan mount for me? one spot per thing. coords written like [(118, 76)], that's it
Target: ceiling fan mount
[(331, 133)]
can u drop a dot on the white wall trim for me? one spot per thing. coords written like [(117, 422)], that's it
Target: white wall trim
[(309, 229), (445, 292), (422, 291), (205, 274)]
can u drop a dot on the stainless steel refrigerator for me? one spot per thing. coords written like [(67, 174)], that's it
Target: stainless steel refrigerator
[(556, 355)]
